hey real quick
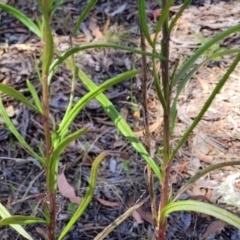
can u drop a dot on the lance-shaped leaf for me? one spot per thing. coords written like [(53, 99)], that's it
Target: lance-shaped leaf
[(143, 21), (69, 117), (88, 196), (4, 214), (22, 220), (22, 18), (206, 105), (83, 15), (35, 96), (17, 95), (67, 54), (54, 159), (201, 174), (191, 61), (120, 123), (15, 132), (201, 207)]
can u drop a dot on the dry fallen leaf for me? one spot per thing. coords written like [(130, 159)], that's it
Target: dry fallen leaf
[(152, 128), (204, 84), (119, 10), (136, 114), (183, 166), (10, 111), (202, 156), (108, 203), (147, 216), (95, 29), (66, 189), (137, 217), (42, 232), (216, 226)]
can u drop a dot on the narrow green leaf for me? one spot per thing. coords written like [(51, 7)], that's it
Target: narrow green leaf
[(162, 19), (4, 214), (179, 13), (22, 18), (54, 159), (17, 95), (74, 50), (191, 61), (57, 4), (206, 105), (22, 220), (188, 76), (83, 15), (68, 118), (202, 207), (48, 40), (35, 96), (201, 174), (15, 132), (88, 196), (142, 17), (157, 85), (121, 124)]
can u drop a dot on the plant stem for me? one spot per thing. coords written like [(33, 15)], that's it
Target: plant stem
[(166, 128), (147, 132), (46, 62)]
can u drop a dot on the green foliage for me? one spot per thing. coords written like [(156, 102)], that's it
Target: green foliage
[(215, 48), (57, 140), (72, 207)]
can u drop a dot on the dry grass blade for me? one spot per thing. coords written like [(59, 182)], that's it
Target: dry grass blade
[(118, 221)]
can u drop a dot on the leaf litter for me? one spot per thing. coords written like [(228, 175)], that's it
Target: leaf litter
[(215, 140)]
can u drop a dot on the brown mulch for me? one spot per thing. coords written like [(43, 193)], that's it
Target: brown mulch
[(121, 178)]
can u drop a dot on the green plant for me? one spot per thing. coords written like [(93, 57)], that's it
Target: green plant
[(57, 139), (215, 48), (178, 79), (71, 207)]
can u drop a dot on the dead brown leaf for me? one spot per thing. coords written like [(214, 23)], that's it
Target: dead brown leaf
[(202, 156), (152, 128), (66, 189), (183, 167), (147, 216), (203, 83), (42, 232), (208, 193), (136, 114), (108, 203), (137, 217), (216, 226), (95, 29)]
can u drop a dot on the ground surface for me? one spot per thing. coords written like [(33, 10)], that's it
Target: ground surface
[(122, 179)]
